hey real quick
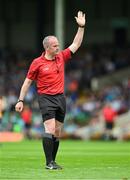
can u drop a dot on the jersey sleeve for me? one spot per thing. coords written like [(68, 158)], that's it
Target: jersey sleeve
[(33, 71), (66, 54)]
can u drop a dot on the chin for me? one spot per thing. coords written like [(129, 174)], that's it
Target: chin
[(57, 51)]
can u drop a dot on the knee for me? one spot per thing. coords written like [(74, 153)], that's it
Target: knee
[(57, 132), (50, 130)]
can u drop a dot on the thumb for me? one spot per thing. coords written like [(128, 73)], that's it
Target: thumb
[(20, 109), (76, 18)]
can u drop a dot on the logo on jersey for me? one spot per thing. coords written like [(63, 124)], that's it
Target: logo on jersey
[(46, 68)]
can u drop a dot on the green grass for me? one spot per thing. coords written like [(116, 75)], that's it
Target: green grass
[(80, 159)]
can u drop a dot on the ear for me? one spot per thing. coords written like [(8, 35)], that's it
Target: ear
[(47, 47)]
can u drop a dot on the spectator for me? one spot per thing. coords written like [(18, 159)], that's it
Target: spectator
[(109, 117), (26, 116), (0, 112)]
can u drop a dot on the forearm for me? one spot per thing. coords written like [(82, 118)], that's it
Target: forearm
[(0, 107), (23, 92), (77, 40), (78, 37), (25, 88)]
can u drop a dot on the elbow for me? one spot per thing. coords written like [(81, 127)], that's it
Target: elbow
[(77, 47), (74, 47)]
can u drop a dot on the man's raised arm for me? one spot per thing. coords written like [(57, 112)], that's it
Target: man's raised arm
[(80, 19)]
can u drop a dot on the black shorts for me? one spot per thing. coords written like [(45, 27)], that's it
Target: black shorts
[(52, 106), (109, 125), (27, 125)]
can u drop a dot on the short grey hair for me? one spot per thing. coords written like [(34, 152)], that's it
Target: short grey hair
[(45, 41)]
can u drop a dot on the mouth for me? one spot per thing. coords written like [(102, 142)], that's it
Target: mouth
[(57, 50)]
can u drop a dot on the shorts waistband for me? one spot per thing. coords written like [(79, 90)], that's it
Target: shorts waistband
[(59, 94)]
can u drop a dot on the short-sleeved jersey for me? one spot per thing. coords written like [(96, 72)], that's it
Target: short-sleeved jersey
[(49, 74), (109, 114)]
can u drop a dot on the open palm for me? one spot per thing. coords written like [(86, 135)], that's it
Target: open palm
[(80, 19)]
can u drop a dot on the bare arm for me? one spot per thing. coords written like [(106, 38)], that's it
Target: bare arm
[(80, 19), (23, 92), (1, 106)]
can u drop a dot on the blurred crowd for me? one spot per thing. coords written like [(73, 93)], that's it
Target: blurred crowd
[(85, 118)]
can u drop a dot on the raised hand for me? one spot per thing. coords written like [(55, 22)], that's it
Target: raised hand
[(80, 19)]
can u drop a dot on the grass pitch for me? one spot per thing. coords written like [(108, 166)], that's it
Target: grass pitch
[(80, 159)]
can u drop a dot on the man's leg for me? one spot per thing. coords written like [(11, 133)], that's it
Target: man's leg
[(55, 147), (48, 142), (58, 128)]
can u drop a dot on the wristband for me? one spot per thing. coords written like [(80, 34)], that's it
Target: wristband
[(82, 26), (20, 101)]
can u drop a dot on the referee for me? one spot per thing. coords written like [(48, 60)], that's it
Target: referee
[(48, 72)]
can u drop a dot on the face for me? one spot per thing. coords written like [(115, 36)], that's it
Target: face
[(53, 47)]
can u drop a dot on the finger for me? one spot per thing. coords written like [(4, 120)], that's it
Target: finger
[(18, 109), (15, 108), (84, 15), (76, 18), (78, 13), (81, 13)]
